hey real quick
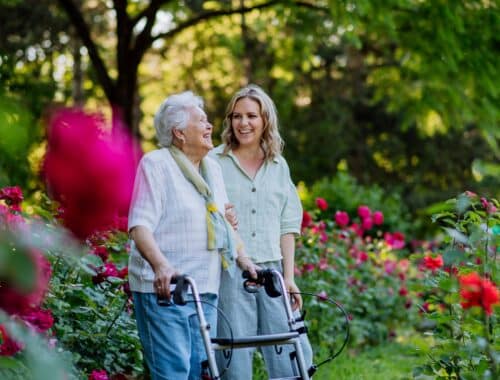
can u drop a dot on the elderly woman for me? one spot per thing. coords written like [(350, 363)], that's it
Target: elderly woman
[(176, 227), (269, 214)]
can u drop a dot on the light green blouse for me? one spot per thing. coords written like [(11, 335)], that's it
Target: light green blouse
[(267, 206)]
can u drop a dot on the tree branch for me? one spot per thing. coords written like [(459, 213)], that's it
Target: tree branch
[(83, 31), (144, 38), (154, 5), (226, 12)]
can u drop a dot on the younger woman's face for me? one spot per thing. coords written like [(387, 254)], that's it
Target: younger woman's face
[(247, 122)]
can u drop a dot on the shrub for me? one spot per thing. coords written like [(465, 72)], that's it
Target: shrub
[(459, 297)]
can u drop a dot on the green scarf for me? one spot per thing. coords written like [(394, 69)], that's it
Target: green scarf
[(215, 219)]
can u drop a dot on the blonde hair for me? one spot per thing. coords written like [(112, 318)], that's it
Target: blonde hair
[(271, 141)]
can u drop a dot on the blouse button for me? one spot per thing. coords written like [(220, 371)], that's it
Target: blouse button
[(253, 211), (253, 189), (253, 234)]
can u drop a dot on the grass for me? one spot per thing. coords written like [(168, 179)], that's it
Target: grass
[(390, 361)]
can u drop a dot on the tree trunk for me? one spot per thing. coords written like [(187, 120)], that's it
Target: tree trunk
[(77, 82)]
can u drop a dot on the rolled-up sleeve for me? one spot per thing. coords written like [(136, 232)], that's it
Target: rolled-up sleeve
[(147, 201), (291, 217)]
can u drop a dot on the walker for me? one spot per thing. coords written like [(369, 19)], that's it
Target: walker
[(274, 286)]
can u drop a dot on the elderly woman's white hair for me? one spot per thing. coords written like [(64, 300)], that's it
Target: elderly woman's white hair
[(173, 113)]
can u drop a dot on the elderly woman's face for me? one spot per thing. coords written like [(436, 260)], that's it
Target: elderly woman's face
[(198, 133)]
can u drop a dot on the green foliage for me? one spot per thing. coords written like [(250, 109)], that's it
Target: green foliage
[(94, 321), (37, 361), (15, 140), (389, 361)]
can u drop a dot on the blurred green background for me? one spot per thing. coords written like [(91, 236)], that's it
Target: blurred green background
[(400, 95)]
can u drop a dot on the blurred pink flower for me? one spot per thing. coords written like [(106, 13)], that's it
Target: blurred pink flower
[(323, 264), (341, 218), (358, 229), (364, 212), (19, 301), (484, 202), (90, 172), (8, 346), (102, 252), (378, 218), (322, 204), (107, 270), (403, 265), (470, 194), (308, 267), (98, 374), (38, 319), (395, 240), (367, 223), (389, 266), (322, 296), (362, 257), (13, 196)]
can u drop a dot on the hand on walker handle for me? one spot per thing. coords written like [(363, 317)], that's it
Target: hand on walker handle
[(163, 278)]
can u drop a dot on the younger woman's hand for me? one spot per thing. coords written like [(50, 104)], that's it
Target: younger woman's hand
[(230, 214), (295, 297)]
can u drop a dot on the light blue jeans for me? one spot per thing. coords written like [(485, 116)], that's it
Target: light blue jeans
[(171, 337), (255, 314)]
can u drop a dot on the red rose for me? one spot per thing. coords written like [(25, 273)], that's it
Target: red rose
[(306, 219), (477, 291), (433, 263)]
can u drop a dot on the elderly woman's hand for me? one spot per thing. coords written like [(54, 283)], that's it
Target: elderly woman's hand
[(246, 264), (231, 216), (163, 276)]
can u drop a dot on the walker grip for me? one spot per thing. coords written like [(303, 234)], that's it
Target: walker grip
[(266, 278)]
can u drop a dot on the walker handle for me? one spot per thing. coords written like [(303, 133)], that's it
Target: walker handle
[(266, 277)]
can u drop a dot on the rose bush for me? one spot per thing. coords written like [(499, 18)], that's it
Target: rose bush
[(459, 294), (353, 260)]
